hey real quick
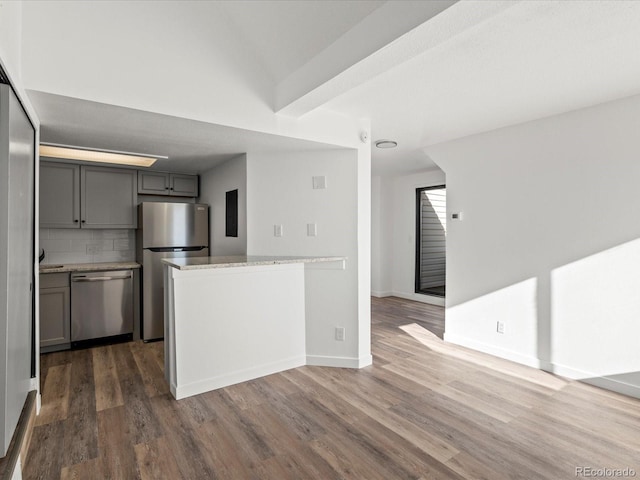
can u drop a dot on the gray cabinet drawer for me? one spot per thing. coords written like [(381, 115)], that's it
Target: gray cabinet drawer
[(53, 280)]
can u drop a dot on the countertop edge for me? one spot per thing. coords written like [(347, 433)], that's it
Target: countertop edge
[(274, 261), (90, 267)]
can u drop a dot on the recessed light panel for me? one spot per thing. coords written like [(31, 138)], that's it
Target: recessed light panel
[(88, 155)]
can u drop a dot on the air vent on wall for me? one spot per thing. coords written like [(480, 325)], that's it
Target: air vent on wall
[(3, 77)]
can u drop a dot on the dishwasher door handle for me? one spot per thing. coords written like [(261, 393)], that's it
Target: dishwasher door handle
[(98, 279)]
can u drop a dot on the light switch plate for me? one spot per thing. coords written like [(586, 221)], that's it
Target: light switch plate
[(312, 229), (320, 182), (277, 230)]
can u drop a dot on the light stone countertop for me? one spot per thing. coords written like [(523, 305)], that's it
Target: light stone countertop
[(201, 263), (88, 267)]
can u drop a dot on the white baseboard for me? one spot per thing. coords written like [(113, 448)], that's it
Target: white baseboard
[(601, 381), (562, 370), (226, 380), (614, 386), (419, 297), (340, 362), (492, 350), (380, 294)]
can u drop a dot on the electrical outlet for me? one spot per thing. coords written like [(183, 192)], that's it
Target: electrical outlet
[(340, 334), (500, 327), (312, 229), (277, 231)]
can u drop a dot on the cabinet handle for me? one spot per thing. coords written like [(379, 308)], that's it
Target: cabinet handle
[(83, 221), (171, 188), (75, 221)]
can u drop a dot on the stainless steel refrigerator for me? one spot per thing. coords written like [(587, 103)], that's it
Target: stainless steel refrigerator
[(166, 230)]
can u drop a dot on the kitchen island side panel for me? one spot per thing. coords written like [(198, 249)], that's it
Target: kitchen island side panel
[(234, 324)]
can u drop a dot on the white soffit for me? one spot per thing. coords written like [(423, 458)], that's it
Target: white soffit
[(285, 34), (388, 37)]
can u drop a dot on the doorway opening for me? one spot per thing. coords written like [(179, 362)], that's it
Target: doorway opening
[(431, 234)]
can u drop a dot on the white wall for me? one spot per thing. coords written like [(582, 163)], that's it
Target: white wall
[(214, 184), (381, 236), (10, 45), (394, 234), (549, 243), (180, 58), (279, 191)]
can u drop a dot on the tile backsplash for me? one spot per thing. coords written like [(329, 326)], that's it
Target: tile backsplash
[(63, 245)]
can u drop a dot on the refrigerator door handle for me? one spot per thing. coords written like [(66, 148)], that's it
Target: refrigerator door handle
[(177, 249)]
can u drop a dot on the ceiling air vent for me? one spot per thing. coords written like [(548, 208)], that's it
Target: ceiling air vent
[(3, 76)]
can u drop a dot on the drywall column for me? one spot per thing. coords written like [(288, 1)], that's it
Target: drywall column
[(280, 192)]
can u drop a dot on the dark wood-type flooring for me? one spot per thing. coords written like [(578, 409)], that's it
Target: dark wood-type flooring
[(424, 410)]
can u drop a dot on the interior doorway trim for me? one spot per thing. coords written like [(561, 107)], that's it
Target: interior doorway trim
[(418, 248)]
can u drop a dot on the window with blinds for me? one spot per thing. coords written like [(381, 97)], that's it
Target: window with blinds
[(431, 233)]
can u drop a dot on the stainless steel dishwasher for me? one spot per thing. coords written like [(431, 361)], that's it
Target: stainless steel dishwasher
[(101, 305)]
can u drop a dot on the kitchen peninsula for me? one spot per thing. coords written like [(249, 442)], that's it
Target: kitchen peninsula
[(231, 319)]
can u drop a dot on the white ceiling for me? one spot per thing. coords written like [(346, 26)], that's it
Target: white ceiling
[(286, 34), (534, 59), (517, 61), (192, 146)]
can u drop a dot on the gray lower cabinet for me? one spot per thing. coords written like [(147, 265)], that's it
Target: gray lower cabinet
[(162, 183), (55, 312), (87, 196)]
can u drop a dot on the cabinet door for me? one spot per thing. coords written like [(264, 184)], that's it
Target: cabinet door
[(184, 185), (59, 195), (108, 197), (153, 183), (55, 321)]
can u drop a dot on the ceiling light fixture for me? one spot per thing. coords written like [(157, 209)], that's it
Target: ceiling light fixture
[(93, 155), (386, 144)]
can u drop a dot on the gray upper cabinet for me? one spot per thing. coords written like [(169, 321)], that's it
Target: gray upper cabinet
[(153, 183), (108, 197), (86, 196), (161, 183), (184, 185), (59, 195)]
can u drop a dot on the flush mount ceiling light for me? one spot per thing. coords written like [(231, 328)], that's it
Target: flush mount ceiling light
[(102, 156), (386, 144)]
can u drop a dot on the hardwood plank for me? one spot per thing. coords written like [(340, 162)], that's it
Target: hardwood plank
[(286, 444), (426, 409), (143, 423), (108, 393), (45, 453), (156, 460), (115, 443), (55, 395), (81, 429), (178, 432), (94, 468), (151, 372)]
